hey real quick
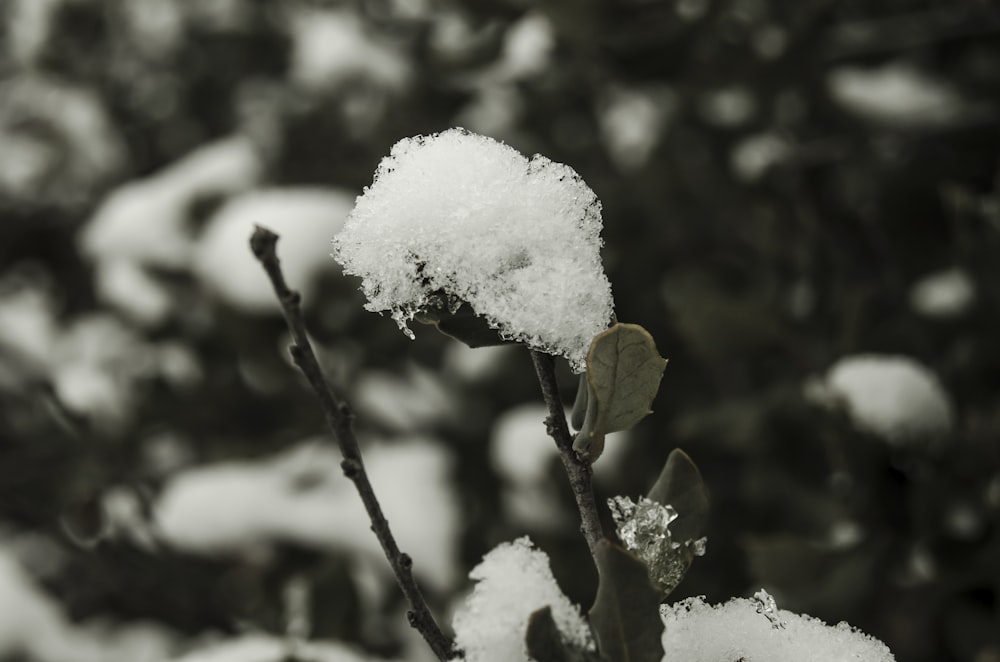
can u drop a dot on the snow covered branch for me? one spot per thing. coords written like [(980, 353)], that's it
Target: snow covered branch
[(338, 416)]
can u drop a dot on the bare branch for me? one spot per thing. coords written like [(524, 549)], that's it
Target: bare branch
[(338, 418), (577, 465)]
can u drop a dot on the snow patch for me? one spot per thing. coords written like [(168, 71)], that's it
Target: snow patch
[(751, 629), (513, 581)]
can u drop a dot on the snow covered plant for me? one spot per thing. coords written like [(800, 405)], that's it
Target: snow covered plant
[(464, 233)]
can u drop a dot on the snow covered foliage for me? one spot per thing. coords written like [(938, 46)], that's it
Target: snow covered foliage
[(457, 217), (301, 496), (894, 397), (895, 93), (755, 631), (946, 294), (264, 648), (513, 581), (34, 626)]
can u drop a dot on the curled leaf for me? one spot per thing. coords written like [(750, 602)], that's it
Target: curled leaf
[(623, 375), (681, 487)]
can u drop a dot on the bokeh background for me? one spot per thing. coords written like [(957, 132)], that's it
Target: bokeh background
[(785, 185)]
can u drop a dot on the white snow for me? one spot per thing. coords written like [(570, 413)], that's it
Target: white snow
[(146, 220), (742, 630), (513, 581), (943, 294), (527, 46), (895, 93), (415, 401), (727, 107), (752, 156), (894, 397), (72, 151), (267, 648), (332, 47), (130, 288), (632, 123), (302, 217), (518, 239), (34, 625), (523, 454), (301, 496)]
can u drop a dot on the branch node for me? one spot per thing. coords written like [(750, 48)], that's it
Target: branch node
[(405, 561), (351, 468)]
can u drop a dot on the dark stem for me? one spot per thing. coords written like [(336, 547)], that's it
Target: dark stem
[(338, 418), (577, 465)]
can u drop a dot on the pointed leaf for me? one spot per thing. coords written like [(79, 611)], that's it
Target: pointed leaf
[(623, 375), (626, 612), (680, 485), (546, 644)]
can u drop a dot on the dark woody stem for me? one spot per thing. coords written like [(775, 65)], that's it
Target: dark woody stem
[(339, 420), (577, 465)]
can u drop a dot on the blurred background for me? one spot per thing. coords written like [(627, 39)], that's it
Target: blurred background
[(800, 204)]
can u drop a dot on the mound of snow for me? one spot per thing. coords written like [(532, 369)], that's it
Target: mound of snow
[(513, 581), (754, 630), (895, 397), (463, 215)]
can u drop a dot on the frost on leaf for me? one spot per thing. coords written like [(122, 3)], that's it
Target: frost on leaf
[(457, 217), (643, 528)]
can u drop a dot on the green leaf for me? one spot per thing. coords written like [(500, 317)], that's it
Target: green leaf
[(623, 375), (680, 485), (626, 612), (546, 644)]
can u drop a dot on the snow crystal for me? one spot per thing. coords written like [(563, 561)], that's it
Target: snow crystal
[(895, 397), (943, 294), (302, 496), (741, 630), (895, 93), (513, 581), (643, 527), (461, 215), (302, 217)]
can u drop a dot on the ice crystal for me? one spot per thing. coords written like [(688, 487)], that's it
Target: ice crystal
[(643, 527), (767, 606)]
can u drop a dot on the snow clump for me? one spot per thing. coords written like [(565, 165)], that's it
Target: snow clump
[(513, 581), (894, 397), (457, 217), (751, 629)]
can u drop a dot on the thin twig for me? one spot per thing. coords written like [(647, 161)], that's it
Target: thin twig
[(338, 418), (577, 466)]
